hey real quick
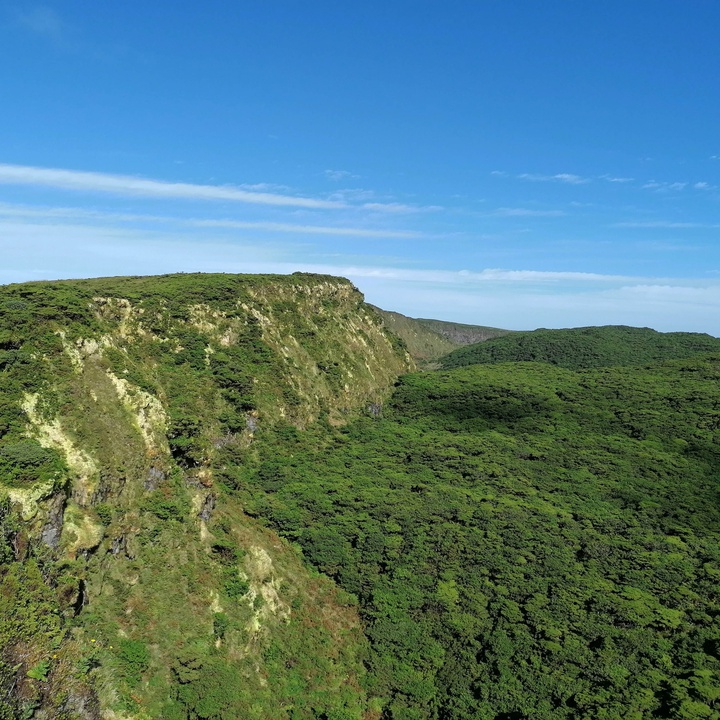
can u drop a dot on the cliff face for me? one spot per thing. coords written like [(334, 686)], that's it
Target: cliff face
[(429, 340), (127, 404)]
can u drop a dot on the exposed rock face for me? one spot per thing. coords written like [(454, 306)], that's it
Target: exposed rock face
[(153, 478), (52, 530), (207, 507)]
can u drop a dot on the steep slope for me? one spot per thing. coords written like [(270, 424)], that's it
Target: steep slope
[(133, 585), (461, 333), (585, 347), (526, 541), (428, 340)]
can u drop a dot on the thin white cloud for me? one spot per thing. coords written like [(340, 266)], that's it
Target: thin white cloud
[(527, 212), (612, 179), (139, 187), (352, 195), (368, 200), (45, 22), (483, 276), (401, 207), (265, 187), (54, 213), (667, 224), (305, 229), (664, 186), (58, 213), (338, 175), (568, 178)]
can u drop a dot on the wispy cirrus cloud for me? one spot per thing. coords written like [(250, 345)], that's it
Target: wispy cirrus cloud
[(338, 175), (490, 275), (44, 22), (68, 213), (573, 179), (613, 179), (665, 186), (666, 224), (305, 229), (368, 200), (265, 187), (569, 178), (401, 208), (527, 212), (139, 187)]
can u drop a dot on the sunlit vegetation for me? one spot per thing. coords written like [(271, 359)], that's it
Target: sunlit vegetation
[(524, 541), (429, 340), (213, 507), (588, 347)]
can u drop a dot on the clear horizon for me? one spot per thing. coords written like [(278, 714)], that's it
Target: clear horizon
[(513, 165)]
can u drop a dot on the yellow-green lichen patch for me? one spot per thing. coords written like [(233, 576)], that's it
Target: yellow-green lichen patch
[(148, 413), (80, 530), (50, 433), (29, 498)]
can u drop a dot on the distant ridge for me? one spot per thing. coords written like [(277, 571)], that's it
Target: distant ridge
[(463, 334), (585, 347), (428, 340)]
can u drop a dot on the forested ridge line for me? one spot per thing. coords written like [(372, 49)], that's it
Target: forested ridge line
[(585, 347)]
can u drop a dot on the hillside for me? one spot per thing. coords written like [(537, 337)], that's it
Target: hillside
[(461, 333), (429, 340), (132, 586), (525, 541), (586, 347), (229, 496)]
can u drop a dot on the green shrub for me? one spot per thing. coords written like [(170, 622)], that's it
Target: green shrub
[(105, 513), (221, 623), (133, 659), (25, 462), (164, 507)]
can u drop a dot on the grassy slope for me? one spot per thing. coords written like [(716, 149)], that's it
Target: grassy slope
[(428, 340), (123, 402), (461, 333), (585, 347)]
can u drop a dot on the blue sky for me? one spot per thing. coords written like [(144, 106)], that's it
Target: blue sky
[(517, 164)]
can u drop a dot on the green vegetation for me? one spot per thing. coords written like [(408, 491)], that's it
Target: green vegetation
[(126, 583), (213, 505), (587, 347), (524, 541), (460, 333), (429, 340), (26, 462)]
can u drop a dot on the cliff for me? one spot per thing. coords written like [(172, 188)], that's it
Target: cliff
[(129, 410)]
